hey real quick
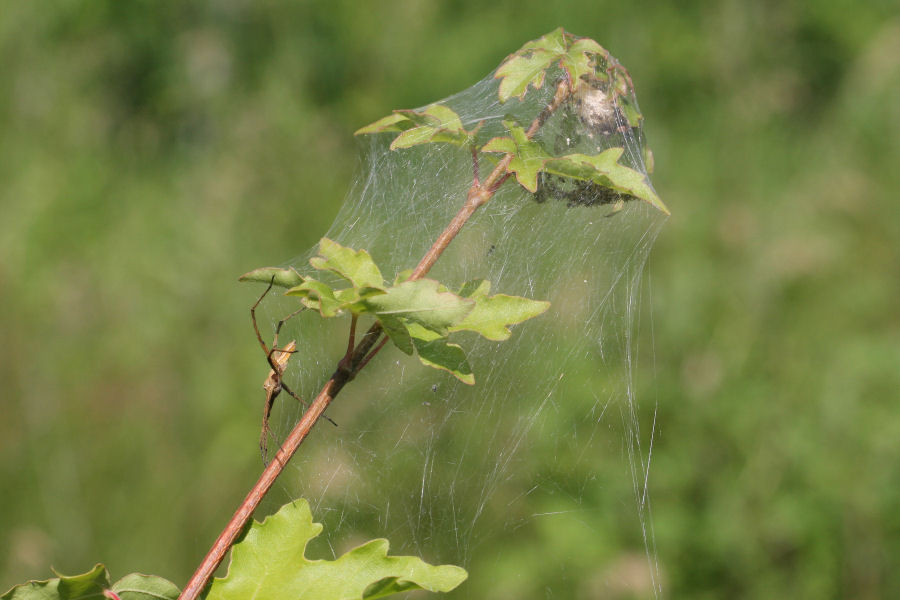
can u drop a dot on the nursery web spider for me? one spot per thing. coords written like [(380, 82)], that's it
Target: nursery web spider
[(277, 359)]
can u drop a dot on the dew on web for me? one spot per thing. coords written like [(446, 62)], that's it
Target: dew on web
[(538, 474)]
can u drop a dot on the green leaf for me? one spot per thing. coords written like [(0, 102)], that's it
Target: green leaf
[(270, 562), (581, 58), (90, 585), (421, 301), (403, 276), (435, 351), (528, 157), (520, 71), (434, 123), (441, 354), (397, 331), (283, 277), (357, 267), (95, 585), (145, 587), (528, 65), (604, 169), (392, 122), (319, 296), (493, 314), (475, 288)]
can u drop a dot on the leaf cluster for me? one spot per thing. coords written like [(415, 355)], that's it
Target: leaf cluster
[(418, 315), (587, 66)]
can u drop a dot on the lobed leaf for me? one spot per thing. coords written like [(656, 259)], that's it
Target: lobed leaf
[(423, 302), (604, 169), (270, 562), (529, 159), (528, 156), (528, 65), (521, 70), (581, 58), (492, 315), (356, 266), (434, 123)]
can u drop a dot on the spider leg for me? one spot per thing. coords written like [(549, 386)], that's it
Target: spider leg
[(304, 403), (278, 331), (253, 316), (264, 434)]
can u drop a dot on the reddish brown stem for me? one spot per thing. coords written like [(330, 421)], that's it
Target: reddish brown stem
[(236, 525), (371, 355), (351, 340), (352, 363)]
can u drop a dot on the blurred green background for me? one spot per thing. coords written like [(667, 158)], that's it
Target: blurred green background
[(152, 151)]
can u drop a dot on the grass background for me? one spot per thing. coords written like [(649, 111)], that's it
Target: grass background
[(152, 151)]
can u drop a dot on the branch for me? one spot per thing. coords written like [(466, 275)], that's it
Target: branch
[(479, 193)]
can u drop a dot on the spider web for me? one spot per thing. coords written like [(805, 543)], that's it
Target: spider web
[(535, 479)]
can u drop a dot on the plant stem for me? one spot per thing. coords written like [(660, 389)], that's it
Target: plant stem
[(479, 193)]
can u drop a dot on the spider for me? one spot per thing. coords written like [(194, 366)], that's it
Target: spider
[(277, 359)]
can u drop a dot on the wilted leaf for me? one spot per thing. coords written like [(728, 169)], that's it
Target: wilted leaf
[(270, 563)]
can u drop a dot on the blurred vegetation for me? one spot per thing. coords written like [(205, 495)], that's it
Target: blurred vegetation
[(142, 141)]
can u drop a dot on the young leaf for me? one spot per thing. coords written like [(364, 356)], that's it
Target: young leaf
[(356, 266), (435, 351), (94, 585), (493, 314), (528, 65), (604, 169), (396, 330), (421, 301), (581, 57), (283, 277), (318, 296), (521, 70), (270, 562), (393, 122), (434, 123), (528, 157), (441, 354)]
